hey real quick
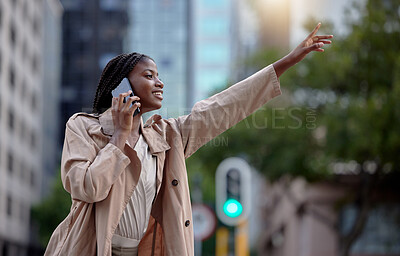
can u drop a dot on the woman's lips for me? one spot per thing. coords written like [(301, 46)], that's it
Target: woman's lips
[(158, 95)]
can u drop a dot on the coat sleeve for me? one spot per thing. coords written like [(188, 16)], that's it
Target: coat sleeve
[(87, 171), (214, 115)]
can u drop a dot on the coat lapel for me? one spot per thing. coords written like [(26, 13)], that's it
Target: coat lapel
[(157, 144)]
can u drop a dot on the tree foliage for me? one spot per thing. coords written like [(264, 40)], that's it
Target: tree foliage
[(352, 91)]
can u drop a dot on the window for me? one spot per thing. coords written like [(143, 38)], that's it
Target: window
[(214, 27), (13, 3), (22, 170), (34, 101), (24, 48), (11, 120), (10, 162), (12, 78), (1, 16), (9, 205), (110, 5), (35, 64), (33, 179), (13, 35), (215, 3), (213, 53), (22, 130), (36, 25), (33, 140), (22, 211), (25, 9)]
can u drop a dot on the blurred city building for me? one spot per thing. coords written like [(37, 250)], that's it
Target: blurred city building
[(302, 218), (246, 39), (213, 37), (225, 34), (28, 56), (51, 48), (93, 33), (161, 29), (195, 44)]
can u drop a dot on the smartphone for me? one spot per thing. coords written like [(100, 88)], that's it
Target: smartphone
[(124, 87)]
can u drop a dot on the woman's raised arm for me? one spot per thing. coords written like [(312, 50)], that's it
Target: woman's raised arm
[(214, 115)]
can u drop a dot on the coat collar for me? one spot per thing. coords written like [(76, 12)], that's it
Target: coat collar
[(155, 141)]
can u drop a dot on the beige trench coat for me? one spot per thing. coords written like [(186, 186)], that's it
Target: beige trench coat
[(101, 178)]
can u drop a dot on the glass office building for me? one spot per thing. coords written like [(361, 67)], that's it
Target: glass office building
[(93, 33), (214, 38), (160, 30)]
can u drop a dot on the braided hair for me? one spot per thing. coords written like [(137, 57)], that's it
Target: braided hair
[(116, 69)]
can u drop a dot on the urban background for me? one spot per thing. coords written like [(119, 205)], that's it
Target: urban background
[(324, 157)]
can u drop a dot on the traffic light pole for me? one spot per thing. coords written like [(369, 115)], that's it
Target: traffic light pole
[(241, 239), (197, 196), (233, 197)]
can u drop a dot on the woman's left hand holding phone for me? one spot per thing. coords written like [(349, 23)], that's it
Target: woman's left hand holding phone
[(124, 121)]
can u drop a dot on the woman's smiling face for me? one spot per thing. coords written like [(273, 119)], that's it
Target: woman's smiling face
[(147, 85)]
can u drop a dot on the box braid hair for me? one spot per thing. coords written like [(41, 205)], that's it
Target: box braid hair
[(116, 69)]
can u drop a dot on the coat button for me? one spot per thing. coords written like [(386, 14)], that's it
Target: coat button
[(187, 223), (175, 183)]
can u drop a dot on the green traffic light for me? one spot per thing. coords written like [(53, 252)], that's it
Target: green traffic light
[(232, 208)]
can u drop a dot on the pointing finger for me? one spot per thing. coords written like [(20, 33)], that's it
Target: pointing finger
[(314, 31)]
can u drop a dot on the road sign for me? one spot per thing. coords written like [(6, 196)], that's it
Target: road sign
[(204, 221)]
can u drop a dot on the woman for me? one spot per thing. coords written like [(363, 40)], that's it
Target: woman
[(128, 181)]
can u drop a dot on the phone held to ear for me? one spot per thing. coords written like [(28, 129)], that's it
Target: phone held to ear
[(124, 87)]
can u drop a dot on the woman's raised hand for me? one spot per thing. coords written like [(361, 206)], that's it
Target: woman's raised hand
[(311, 43), (122, 114)]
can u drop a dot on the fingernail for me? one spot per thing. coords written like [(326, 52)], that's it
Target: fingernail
[(320, 44)]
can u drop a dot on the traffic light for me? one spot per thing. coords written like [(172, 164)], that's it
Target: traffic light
[(233, 187), (233, 208)]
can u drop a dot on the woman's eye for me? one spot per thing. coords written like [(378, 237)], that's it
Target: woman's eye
[(149, 76)]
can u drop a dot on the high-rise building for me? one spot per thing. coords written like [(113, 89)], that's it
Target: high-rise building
[(23, 68), (225, 33), (160, 30), (213, 45), (195, 44), (93, 33), (51, 48)]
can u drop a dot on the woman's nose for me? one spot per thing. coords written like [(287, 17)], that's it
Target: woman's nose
[(159, 83)]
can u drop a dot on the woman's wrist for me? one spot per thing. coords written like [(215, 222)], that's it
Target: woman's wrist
[(282, 65), (119, 139)]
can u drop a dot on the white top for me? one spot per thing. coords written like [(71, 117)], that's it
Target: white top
[(135, 218)]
